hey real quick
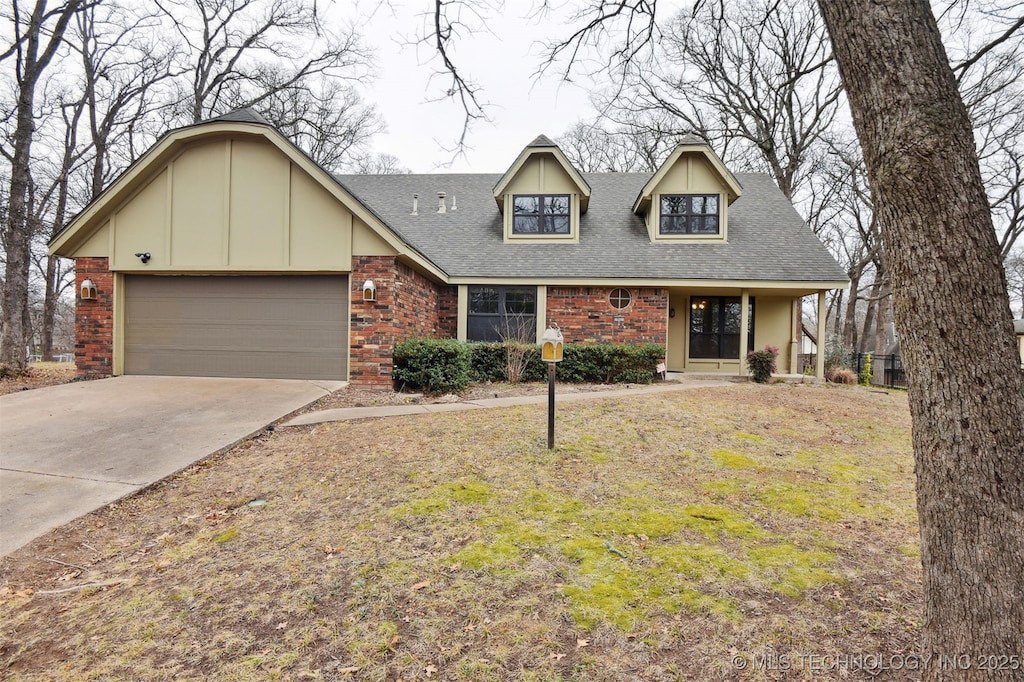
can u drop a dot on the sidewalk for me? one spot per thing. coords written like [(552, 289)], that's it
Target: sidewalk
[(349, 413)]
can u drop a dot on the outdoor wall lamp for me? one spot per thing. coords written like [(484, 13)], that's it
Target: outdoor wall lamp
[(551, 345), (698, 305), (88, 290), (369, 291), (144, 256), (551, 353)]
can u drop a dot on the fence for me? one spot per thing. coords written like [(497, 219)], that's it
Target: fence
[(886, 370)]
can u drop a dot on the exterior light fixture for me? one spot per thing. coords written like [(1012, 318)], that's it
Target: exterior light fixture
[(144, 256), (698, 305), (88, 292), (369, 291), (551, 353)]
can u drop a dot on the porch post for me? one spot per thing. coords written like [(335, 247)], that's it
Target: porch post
[(819, 355), (744, 323)]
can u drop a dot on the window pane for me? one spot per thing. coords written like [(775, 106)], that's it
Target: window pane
[(673, 224), (557, 224), (730, 346), (483, 300), (704, 225), (519, 301), (526, 205), (711, 205), (558, 204), (731, 316), (673, 204), (704, 346), (525, 224)]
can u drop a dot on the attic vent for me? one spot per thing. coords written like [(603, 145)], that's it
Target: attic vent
[(415, 204), (441, 208), (454, 207)]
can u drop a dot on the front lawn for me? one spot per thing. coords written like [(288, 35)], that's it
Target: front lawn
[(686, 535)]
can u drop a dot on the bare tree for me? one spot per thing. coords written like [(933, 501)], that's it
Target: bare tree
[(951, 309), (985, 43), (378, 164), (329, 121), (239, 53), (37, 37), (638, 146), (753, 78)]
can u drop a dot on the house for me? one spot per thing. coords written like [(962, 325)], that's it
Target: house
[(226, 251), (1018, 328)]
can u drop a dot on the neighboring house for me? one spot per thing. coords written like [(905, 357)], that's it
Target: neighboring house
[(808, 339), (1018, 328), (225, 251)]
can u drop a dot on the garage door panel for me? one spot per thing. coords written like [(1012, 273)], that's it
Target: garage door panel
[(272, 327)]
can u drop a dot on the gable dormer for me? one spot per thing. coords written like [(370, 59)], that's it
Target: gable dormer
[(688, 198), (541, 196)]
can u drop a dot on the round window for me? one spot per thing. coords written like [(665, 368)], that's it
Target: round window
[(620, 298)]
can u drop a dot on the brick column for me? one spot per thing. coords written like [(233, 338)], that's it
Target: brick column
[(373, 330), (94, 320)]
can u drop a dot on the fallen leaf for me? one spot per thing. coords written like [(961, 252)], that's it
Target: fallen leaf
[(420, 585), (580, 643), (349, 670), (557, 657), (456, 566), (430, 669), (282, 625)]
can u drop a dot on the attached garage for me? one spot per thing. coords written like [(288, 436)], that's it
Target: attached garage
[(277, 327)]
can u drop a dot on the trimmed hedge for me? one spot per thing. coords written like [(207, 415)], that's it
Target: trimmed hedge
[(446, 365), (433, 365)]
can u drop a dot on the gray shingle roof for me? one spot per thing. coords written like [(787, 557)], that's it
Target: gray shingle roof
[(245, 115), (767, 239)]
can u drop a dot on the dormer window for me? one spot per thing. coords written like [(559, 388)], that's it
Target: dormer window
[(689, 214), (540, 214)]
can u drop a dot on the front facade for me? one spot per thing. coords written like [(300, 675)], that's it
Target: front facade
[(225, 251)]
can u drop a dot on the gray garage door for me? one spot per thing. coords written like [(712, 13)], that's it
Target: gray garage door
[(288, 327)]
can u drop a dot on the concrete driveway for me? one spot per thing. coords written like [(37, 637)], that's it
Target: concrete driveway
[(68, 450)]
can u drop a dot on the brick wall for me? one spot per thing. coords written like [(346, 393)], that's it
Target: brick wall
[(585, 315), (94, 320), (408, 304)]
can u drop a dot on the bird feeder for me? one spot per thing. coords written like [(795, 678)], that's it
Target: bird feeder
[(88, 290)]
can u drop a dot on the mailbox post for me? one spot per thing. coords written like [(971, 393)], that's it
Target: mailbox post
[(551, 353)]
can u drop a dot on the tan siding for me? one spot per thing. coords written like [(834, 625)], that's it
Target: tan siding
[(198, 207), (98, 244), (321, 228), (366, 242), (141, 225), (773, 327), (259, 194)]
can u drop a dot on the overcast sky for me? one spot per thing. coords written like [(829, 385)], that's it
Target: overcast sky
[(502, 62)]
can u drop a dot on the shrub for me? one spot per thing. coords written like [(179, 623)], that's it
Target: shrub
[(606, 363), (837, 355), (489, 362), (841, 375), (599, 363), (865, 373), (433, 365), (761, 363)]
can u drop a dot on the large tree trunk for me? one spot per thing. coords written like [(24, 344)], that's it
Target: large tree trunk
[(18, 237), (952, 313)]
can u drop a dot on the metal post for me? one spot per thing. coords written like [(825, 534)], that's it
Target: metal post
[(551, 406)]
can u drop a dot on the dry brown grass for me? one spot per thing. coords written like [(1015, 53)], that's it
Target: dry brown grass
[(666, 535), (38, 375)]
